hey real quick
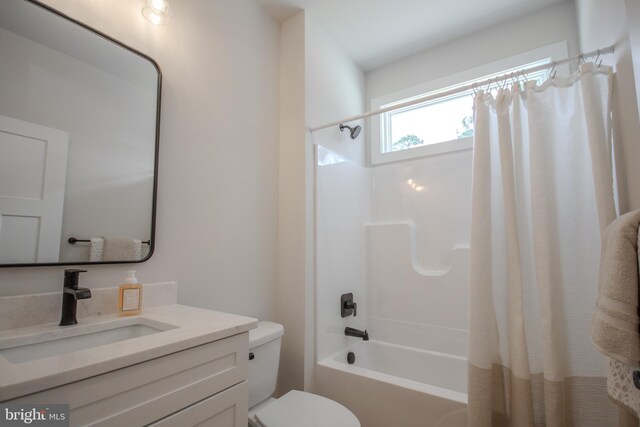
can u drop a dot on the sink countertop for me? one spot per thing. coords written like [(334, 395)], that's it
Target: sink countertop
[(193, 327)]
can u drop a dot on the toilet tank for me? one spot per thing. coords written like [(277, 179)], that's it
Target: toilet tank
[(264, 343)]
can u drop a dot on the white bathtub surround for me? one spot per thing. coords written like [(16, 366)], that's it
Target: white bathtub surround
[(35, 309), (420, 388), (408, 304), (542, 194), (342, 206), (404, 255), (380, 239)]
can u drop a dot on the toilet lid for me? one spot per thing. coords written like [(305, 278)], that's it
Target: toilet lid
[(316, 411)]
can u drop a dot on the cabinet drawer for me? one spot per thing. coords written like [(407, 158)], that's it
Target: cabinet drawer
[(226, 409), (140, 394)]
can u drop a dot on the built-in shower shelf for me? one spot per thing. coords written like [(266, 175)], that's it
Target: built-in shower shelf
[(400, 289), (395, 244)]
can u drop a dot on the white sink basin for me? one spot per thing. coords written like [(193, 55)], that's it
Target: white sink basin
[(62, 340)]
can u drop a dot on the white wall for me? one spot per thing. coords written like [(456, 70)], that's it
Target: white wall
[(217, 211), (109, 182), (292, 291), (632, 9), (334, 88), (541, 28), (319, 83), (602, 23)]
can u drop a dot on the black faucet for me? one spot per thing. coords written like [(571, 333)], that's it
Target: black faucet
[(70, 296), (350, 332)]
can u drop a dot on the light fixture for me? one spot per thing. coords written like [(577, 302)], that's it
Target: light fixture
[(156, 11)]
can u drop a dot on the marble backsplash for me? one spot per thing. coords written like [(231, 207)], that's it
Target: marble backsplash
[(35, 309)]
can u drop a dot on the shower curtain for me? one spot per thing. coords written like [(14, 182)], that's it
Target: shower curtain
[(542, 195)]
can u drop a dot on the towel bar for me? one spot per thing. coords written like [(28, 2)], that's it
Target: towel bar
[(73, 241)]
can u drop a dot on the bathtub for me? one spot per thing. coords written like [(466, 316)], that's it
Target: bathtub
[(396, 386)]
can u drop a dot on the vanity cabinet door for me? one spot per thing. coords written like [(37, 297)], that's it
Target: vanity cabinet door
[(226, 409), (144, 393)]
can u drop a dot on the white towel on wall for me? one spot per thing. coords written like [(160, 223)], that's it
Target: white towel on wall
[(96, 249)]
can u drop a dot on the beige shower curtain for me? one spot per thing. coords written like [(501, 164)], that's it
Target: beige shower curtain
[(542, 195)]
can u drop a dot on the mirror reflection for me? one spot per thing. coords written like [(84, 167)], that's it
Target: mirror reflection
[(78, 142)]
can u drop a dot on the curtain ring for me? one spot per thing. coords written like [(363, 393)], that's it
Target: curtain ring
[(514, 79), (596, 61), (553, 71), (505, 82), (489, 85), (524, 76)]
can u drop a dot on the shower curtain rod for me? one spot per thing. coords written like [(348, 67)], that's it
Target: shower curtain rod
[(470, 86)]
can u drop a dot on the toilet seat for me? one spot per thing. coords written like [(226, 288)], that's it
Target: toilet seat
[(291, 409)]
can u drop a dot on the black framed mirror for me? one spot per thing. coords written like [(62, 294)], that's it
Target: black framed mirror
[(79, 140)]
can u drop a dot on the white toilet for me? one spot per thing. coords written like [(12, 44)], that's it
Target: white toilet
[(294, 409)]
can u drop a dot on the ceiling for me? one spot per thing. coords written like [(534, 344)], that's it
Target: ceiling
[(376, 32)]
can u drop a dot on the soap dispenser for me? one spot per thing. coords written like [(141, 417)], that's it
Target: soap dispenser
[(130, 296)]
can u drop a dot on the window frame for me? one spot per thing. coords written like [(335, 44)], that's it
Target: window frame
[(380, 134)]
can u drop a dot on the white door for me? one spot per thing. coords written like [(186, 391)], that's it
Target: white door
[(33, 171)]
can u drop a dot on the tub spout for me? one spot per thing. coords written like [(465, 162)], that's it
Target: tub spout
[(351, 332)]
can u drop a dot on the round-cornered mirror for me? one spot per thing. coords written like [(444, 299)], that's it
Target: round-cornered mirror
[(79, 133)]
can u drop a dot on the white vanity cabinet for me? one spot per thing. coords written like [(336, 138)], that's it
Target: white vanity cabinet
[(204, 385)]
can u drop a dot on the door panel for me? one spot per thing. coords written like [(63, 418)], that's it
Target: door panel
[(31, 191)]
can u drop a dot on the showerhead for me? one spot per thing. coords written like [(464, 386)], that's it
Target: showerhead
[(353, 131)]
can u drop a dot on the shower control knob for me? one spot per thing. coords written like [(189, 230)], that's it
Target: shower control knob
[(347, 306), (353, 306)]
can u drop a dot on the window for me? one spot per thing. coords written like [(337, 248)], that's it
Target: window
[(444, 124), (440, 120), (432, 122)]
